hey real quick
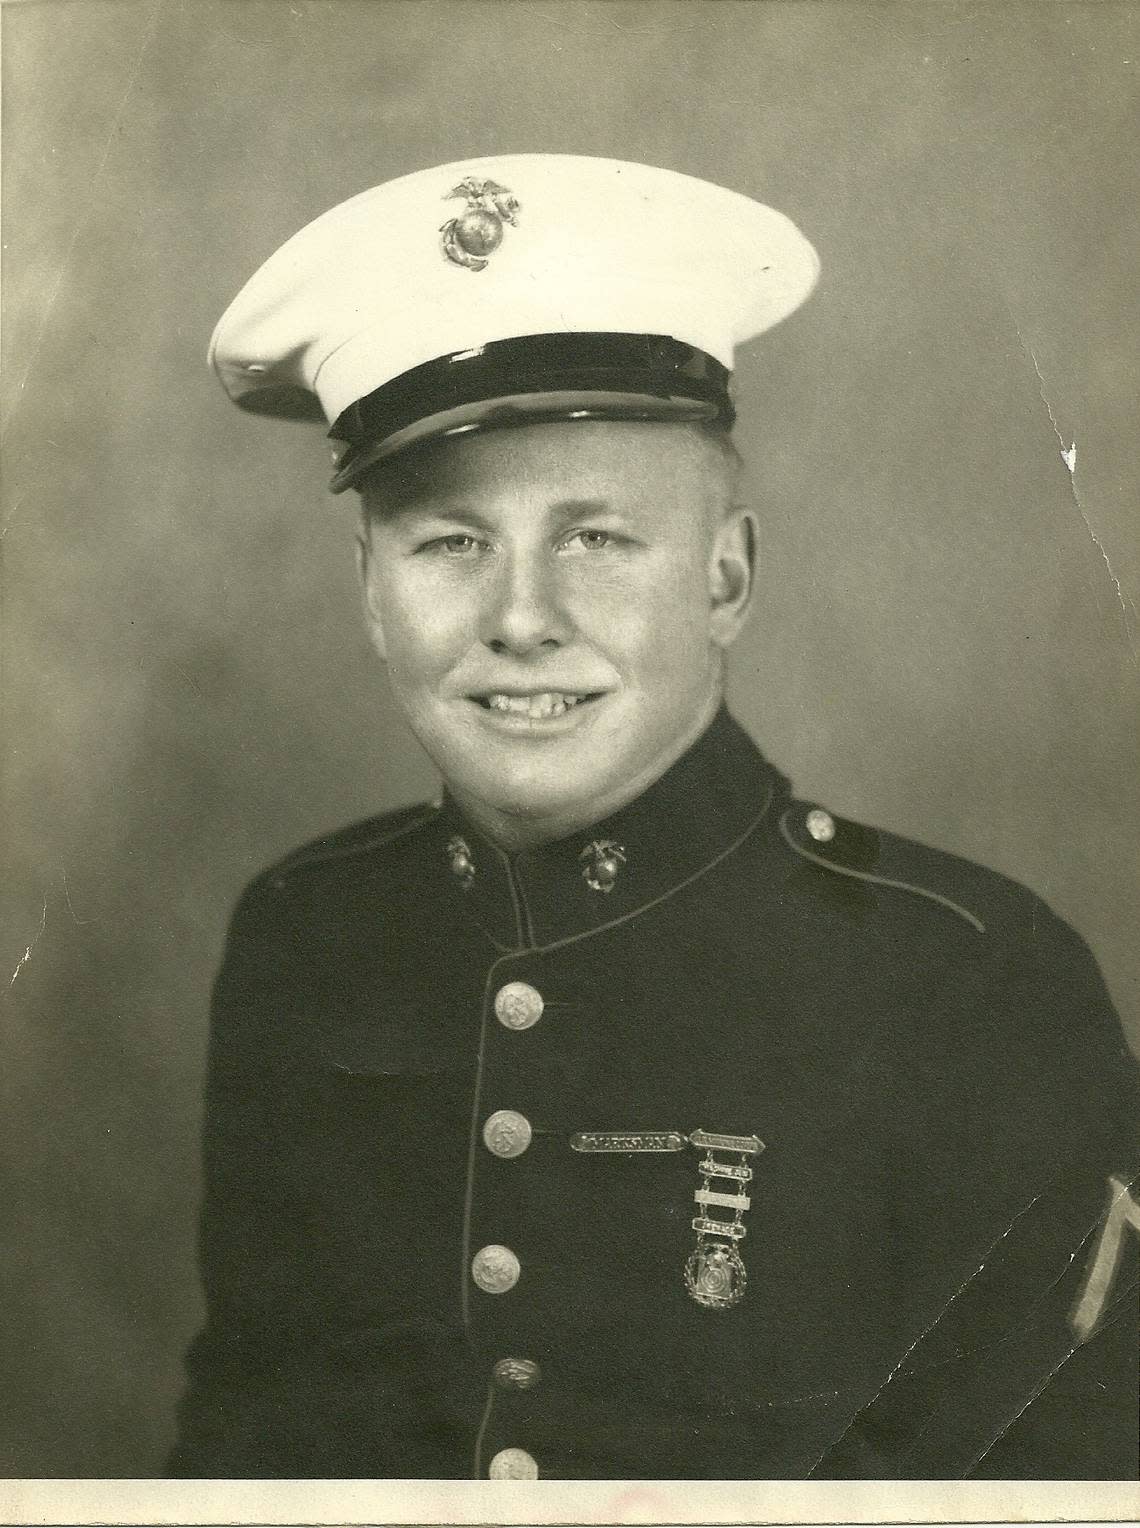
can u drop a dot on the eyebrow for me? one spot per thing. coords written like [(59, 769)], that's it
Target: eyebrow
[(467, 514), (443, 513), (572, 507)]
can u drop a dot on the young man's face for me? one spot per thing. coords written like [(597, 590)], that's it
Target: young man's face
[(552, 602)]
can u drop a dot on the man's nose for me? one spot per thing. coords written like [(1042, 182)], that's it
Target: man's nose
[(527, 612)]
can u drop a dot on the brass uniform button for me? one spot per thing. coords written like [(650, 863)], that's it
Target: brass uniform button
[(821, 825), (495, 1269), (517, 1373), (507, 1133), (513, 1464), (518, 1005)]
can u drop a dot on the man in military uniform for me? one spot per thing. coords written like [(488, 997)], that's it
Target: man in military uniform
[(621, 1115)]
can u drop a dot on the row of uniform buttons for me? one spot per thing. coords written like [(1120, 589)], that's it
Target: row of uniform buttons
[(494, 1268)]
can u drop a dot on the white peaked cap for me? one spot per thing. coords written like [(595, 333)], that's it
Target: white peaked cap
[(437, 266)]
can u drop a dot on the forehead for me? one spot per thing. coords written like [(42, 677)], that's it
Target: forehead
[(619, 462)]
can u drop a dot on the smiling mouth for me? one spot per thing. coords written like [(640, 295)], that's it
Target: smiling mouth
[(538, 707)]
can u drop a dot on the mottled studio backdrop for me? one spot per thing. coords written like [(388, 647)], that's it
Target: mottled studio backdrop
[(946, 641)]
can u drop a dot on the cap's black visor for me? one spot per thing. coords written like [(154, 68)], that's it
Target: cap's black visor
[(540, 376)]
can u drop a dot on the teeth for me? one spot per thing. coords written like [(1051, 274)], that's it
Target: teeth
[(537, 707)]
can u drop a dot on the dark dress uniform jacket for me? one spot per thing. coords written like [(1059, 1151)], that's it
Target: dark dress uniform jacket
[(925, 1050)]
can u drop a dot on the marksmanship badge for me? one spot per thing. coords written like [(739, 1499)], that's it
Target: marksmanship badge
[(715, 1275), (626, 1141), (472, 237)]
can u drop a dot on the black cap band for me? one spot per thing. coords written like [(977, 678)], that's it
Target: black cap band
[(640, 367)]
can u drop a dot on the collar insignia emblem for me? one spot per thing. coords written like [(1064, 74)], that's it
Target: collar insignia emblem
[(715, 1275), (601, 861), (461, 861), (472, 237)]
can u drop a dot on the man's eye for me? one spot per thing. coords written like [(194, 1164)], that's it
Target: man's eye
[(457, 545), (589, 541)]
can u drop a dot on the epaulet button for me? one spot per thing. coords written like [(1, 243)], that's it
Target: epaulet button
[(831, 841), (820, 824), (850, 849)]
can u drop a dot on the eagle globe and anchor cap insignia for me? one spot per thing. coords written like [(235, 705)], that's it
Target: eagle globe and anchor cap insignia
[(472, 237)]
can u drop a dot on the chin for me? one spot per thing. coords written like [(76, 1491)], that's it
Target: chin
[(530, 798)]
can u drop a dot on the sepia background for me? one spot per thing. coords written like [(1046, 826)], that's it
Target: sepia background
[(946, 638)]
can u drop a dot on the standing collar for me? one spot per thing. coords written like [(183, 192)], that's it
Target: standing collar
[(694, 815)]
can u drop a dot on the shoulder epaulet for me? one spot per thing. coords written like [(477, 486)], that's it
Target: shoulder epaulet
[(850, 849), (359, 838)]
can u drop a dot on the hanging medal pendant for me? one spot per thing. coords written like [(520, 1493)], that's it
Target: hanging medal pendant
[(715, 1275)]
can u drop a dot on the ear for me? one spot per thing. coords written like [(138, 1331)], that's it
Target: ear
[(370, 587), (732, 572)]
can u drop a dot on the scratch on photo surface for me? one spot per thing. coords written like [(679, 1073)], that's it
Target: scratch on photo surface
[(1068, 454), (79, 922), (1025, 1405), (10, 521), (925, 1332), (27, 955)]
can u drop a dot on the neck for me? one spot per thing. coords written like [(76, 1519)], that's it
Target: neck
[(512, 832)]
